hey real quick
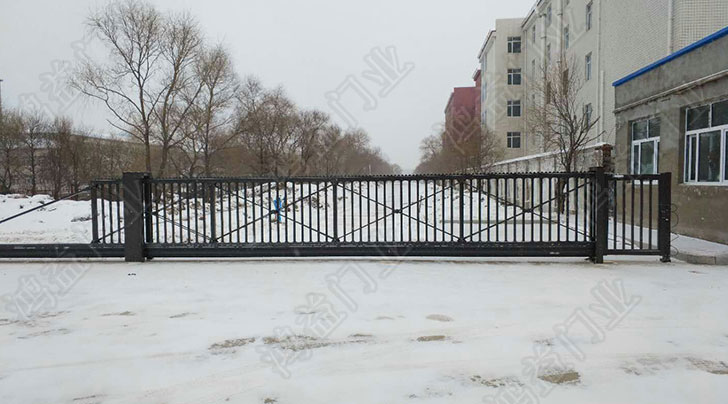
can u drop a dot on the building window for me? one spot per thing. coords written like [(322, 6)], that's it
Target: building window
[(533, 33), (588, 110), (588, 66), (514, 140), (645, 135), (514, 108), (548, 92), (548, 15), (548, 54), (485, 90), (589, 8), (514, 44), (706, 144), (566, 37), (514, 77), (533, 68)]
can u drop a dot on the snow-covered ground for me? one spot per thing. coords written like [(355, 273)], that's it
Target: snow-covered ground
[(312, 331), (63, 222)]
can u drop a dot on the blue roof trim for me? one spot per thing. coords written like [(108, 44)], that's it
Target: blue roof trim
[(708, 39)]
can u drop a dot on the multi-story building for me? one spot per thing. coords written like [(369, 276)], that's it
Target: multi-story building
[(462, 126), (605, 39), (463, 106), (502, 89)]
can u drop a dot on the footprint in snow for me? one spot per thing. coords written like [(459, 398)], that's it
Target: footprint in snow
[(439, 317)]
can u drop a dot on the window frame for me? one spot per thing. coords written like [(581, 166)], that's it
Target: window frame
[(548, 54), (512, 41), (566, 37), (655, 140), (696, 134), (512, 74), (589, 15), (511, 108), (588, 66), (588, 111), (549, 15), (511, 137)]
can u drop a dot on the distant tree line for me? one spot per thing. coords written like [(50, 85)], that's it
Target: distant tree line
[(180, 110), (461, 146)]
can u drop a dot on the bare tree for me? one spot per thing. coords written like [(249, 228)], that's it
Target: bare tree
[(11, 127), (56, 157), (311, 126), (181, 47), (34, 134), (266, 124), (558, 115), (132, 31), (445, 153), (210, 118)]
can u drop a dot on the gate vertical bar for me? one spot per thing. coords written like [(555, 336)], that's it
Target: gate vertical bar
[(213, 220), (133, 184), (664, 185), (461, 183), (336, 211)]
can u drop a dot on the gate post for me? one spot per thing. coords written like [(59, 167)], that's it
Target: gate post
[(664, 209), (601, 214), (94, 214), (134, 209)]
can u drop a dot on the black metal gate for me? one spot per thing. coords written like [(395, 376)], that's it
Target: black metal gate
[(588, 214)]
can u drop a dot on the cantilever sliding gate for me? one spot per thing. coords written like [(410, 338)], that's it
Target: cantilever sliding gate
[(588, 214)]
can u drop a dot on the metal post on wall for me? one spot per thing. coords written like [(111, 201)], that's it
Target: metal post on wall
[(133, 186), (664, 208)]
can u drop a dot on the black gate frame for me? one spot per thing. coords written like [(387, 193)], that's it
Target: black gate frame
[(135, 242), (140, 244)]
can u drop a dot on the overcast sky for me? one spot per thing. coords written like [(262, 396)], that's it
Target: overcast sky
[(309, 47)]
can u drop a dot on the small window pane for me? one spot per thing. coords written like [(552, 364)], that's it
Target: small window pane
[(654, 127), (647, 158), (639, 130), (635, 159), (709, 164), (698, 117), (720, 113)]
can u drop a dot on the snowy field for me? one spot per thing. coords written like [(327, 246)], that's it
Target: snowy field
[(313, 331)]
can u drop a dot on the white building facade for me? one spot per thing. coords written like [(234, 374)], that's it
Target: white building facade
[(607, 39)]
